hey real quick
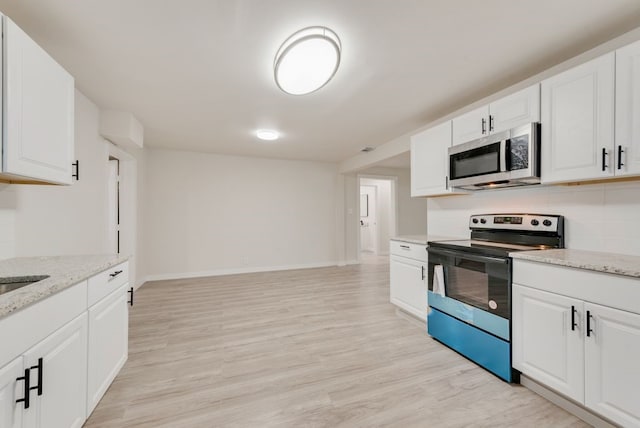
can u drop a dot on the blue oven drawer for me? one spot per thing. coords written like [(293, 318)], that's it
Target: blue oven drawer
[(488, 351)]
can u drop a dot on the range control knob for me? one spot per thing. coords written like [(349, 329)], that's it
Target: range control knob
[(534, 222), (475, 220), (483, 221), (547, 222)]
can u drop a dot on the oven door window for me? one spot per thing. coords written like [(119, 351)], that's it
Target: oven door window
[(480, 161), (482, 284)]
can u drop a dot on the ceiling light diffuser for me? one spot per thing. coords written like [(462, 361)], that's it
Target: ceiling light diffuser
[(267, 134), (307, 60)]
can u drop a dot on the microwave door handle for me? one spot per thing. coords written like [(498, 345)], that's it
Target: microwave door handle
[(462, 255), (504, 151)]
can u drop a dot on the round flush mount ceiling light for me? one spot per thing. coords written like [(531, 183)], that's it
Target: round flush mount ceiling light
[(307, 60), (267, 134)]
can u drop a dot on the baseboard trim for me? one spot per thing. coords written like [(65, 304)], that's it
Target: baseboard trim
[(564, 403), (235, 271)]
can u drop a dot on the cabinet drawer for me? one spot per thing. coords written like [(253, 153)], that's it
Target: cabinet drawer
[(30, 325), (107, 282), (412, 251)]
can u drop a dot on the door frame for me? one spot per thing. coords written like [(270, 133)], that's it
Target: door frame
[(393, 179)]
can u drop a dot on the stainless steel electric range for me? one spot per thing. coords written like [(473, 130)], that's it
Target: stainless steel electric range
[(469, 293)]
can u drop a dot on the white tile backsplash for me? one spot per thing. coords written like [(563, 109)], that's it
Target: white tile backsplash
[(598, 217)]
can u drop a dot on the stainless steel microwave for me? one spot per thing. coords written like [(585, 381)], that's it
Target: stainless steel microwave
[(505, 159)]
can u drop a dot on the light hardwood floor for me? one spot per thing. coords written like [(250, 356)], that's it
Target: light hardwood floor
[(305, 348)]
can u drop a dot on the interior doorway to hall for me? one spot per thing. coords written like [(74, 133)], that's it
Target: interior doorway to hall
[(378, 214)]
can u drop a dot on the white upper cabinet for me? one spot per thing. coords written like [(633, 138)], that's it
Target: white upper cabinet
[(471, 125), (509, 112), (429, 158), (577, 122), (38, 111), (627, 135)]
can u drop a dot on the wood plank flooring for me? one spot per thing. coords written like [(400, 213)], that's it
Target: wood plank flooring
[(305, 348)]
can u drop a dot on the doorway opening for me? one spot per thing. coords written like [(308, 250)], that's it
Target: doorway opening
[(378, 215)]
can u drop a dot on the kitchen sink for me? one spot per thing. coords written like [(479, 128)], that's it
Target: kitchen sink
[(10, 283)]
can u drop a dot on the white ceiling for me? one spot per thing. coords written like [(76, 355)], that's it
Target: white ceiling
[(198, 73)]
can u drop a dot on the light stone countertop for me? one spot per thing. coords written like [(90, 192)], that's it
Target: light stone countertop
[(619, 264), (422, 239), (63, 271)]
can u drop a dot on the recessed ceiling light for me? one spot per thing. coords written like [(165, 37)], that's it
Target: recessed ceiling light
[(307, 60), (267, 134)]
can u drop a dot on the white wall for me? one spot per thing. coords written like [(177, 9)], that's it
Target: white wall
[(599, 217), (215, 214), (43, 220)]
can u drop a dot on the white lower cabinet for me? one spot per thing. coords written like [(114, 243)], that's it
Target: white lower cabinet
[(10, 391), (586, 351), (53, 375), (545, 345), (408, 278), (108, 343), (612, 357)]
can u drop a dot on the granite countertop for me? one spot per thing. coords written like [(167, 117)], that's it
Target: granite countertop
[(63, 271), (619, 264), (421, 239)]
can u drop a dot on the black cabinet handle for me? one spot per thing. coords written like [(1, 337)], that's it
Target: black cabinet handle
[(573, 318), (405, 247), (589, 330), (423, 272), (130, 302), (484, 126), (116, 273), (27, 389), (76, 175), (490, 122), (604, 159), (40, 368), (620, 152)]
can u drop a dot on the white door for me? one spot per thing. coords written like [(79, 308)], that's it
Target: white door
[(546, 347), (429, 158), (113, 214), (471, 125), (39, 111), (408, 285), (627, 147), (368, 222), (515, 110), (11, 390), (108, 343), (63, 403), (577, 122), (612, 355)]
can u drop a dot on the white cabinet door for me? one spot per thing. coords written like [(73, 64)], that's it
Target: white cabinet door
[(545, 345), (63, 403), (627, 146), (577, 122), (408, 285), (429, 156), (108, 343), (38, 111), (515, 110), (612, 354), (11, 390), (471, 125)]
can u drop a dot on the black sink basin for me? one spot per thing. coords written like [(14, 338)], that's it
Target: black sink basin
[(10, 283)]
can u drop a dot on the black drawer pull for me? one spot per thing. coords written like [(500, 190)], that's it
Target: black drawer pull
[(620, 152), (40, 368), (573, 318), (116, 273), (130, 302), (405, 247), (26, 389), (604, 159), (589, 330)]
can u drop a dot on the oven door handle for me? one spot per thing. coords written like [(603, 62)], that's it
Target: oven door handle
[(467, 256)]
